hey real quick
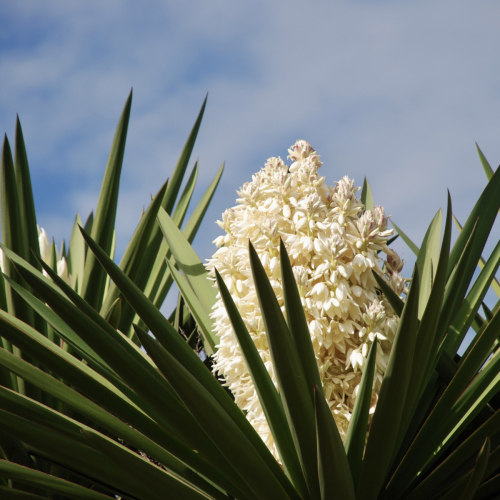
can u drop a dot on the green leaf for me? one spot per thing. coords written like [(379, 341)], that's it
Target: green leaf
[(427, 259), (125, 360), (354, 443), (424, 359), (176, 346), (199, 212), (102, 228), (335, 479), (463, 320), (88, 224), (100, 416), (187, 261), (295, 394), (57, 438), (25, 194), (494, 284), (155, 481), (159, 281), (12, 237), (47, 482), (434, 431), (136, 249), (439, 477), (488, 489), (390, 406), (197, 310), (266, 391), (83, 319), (98, 389), (60, 326), (217, 424), (366, 196), (114, 313), (14, 494), (478, 472), (180, 169), (297, 322), (393, 298), (455, 290), (182, 205), (483, 214), (76, 255), (484, 162), (407, 240)]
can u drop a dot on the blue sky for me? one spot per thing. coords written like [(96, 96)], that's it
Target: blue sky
[(396, 91)]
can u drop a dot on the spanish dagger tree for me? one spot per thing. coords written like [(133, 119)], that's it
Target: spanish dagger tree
[(102, 396)]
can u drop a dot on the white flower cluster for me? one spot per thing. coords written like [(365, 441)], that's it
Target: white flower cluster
[(45, 251), (333, 244)]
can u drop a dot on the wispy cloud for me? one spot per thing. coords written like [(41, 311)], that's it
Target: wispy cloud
[(395, 91)]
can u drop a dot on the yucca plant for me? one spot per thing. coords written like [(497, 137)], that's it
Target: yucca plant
[(87, 414)]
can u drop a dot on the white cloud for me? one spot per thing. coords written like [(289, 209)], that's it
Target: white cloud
[(395, 91)]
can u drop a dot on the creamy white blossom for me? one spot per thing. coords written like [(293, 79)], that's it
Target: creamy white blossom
[(333, 244), (45, 253)]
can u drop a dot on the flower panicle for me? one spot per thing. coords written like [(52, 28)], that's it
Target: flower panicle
[(333, 243)]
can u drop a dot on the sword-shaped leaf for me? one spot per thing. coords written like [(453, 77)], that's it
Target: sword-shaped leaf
[(57, 438), (295, 394), (439, 476), (475, 477), (427, 259), (155, 481), (483, 214), (297, 322), (407, 240), (366, 196), (45, 481), (217, 424), (463, 320), (455, 291), (60, 326), (159, 279), (98, 415), (268, 396), (354, 443), (394, 299), (390, 406), (25, 195), (174, 344), (112, 395), (136, 248), (335, 480), (13, 236), (187, 261), (76, 255), (182, 163), (15, 494), (129, 365), (197, 310), (494, 284), (426, 332), (433, 432), (104, 222), (484, 162), (187, 193)]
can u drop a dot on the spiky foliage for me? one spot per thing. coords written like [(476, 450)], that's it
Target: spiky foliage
[(86, 414)]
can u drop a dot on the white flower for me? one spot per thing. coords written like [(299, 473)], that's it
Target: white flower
[(43, 241), (333, 245), (62, 270), (45, 252)]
